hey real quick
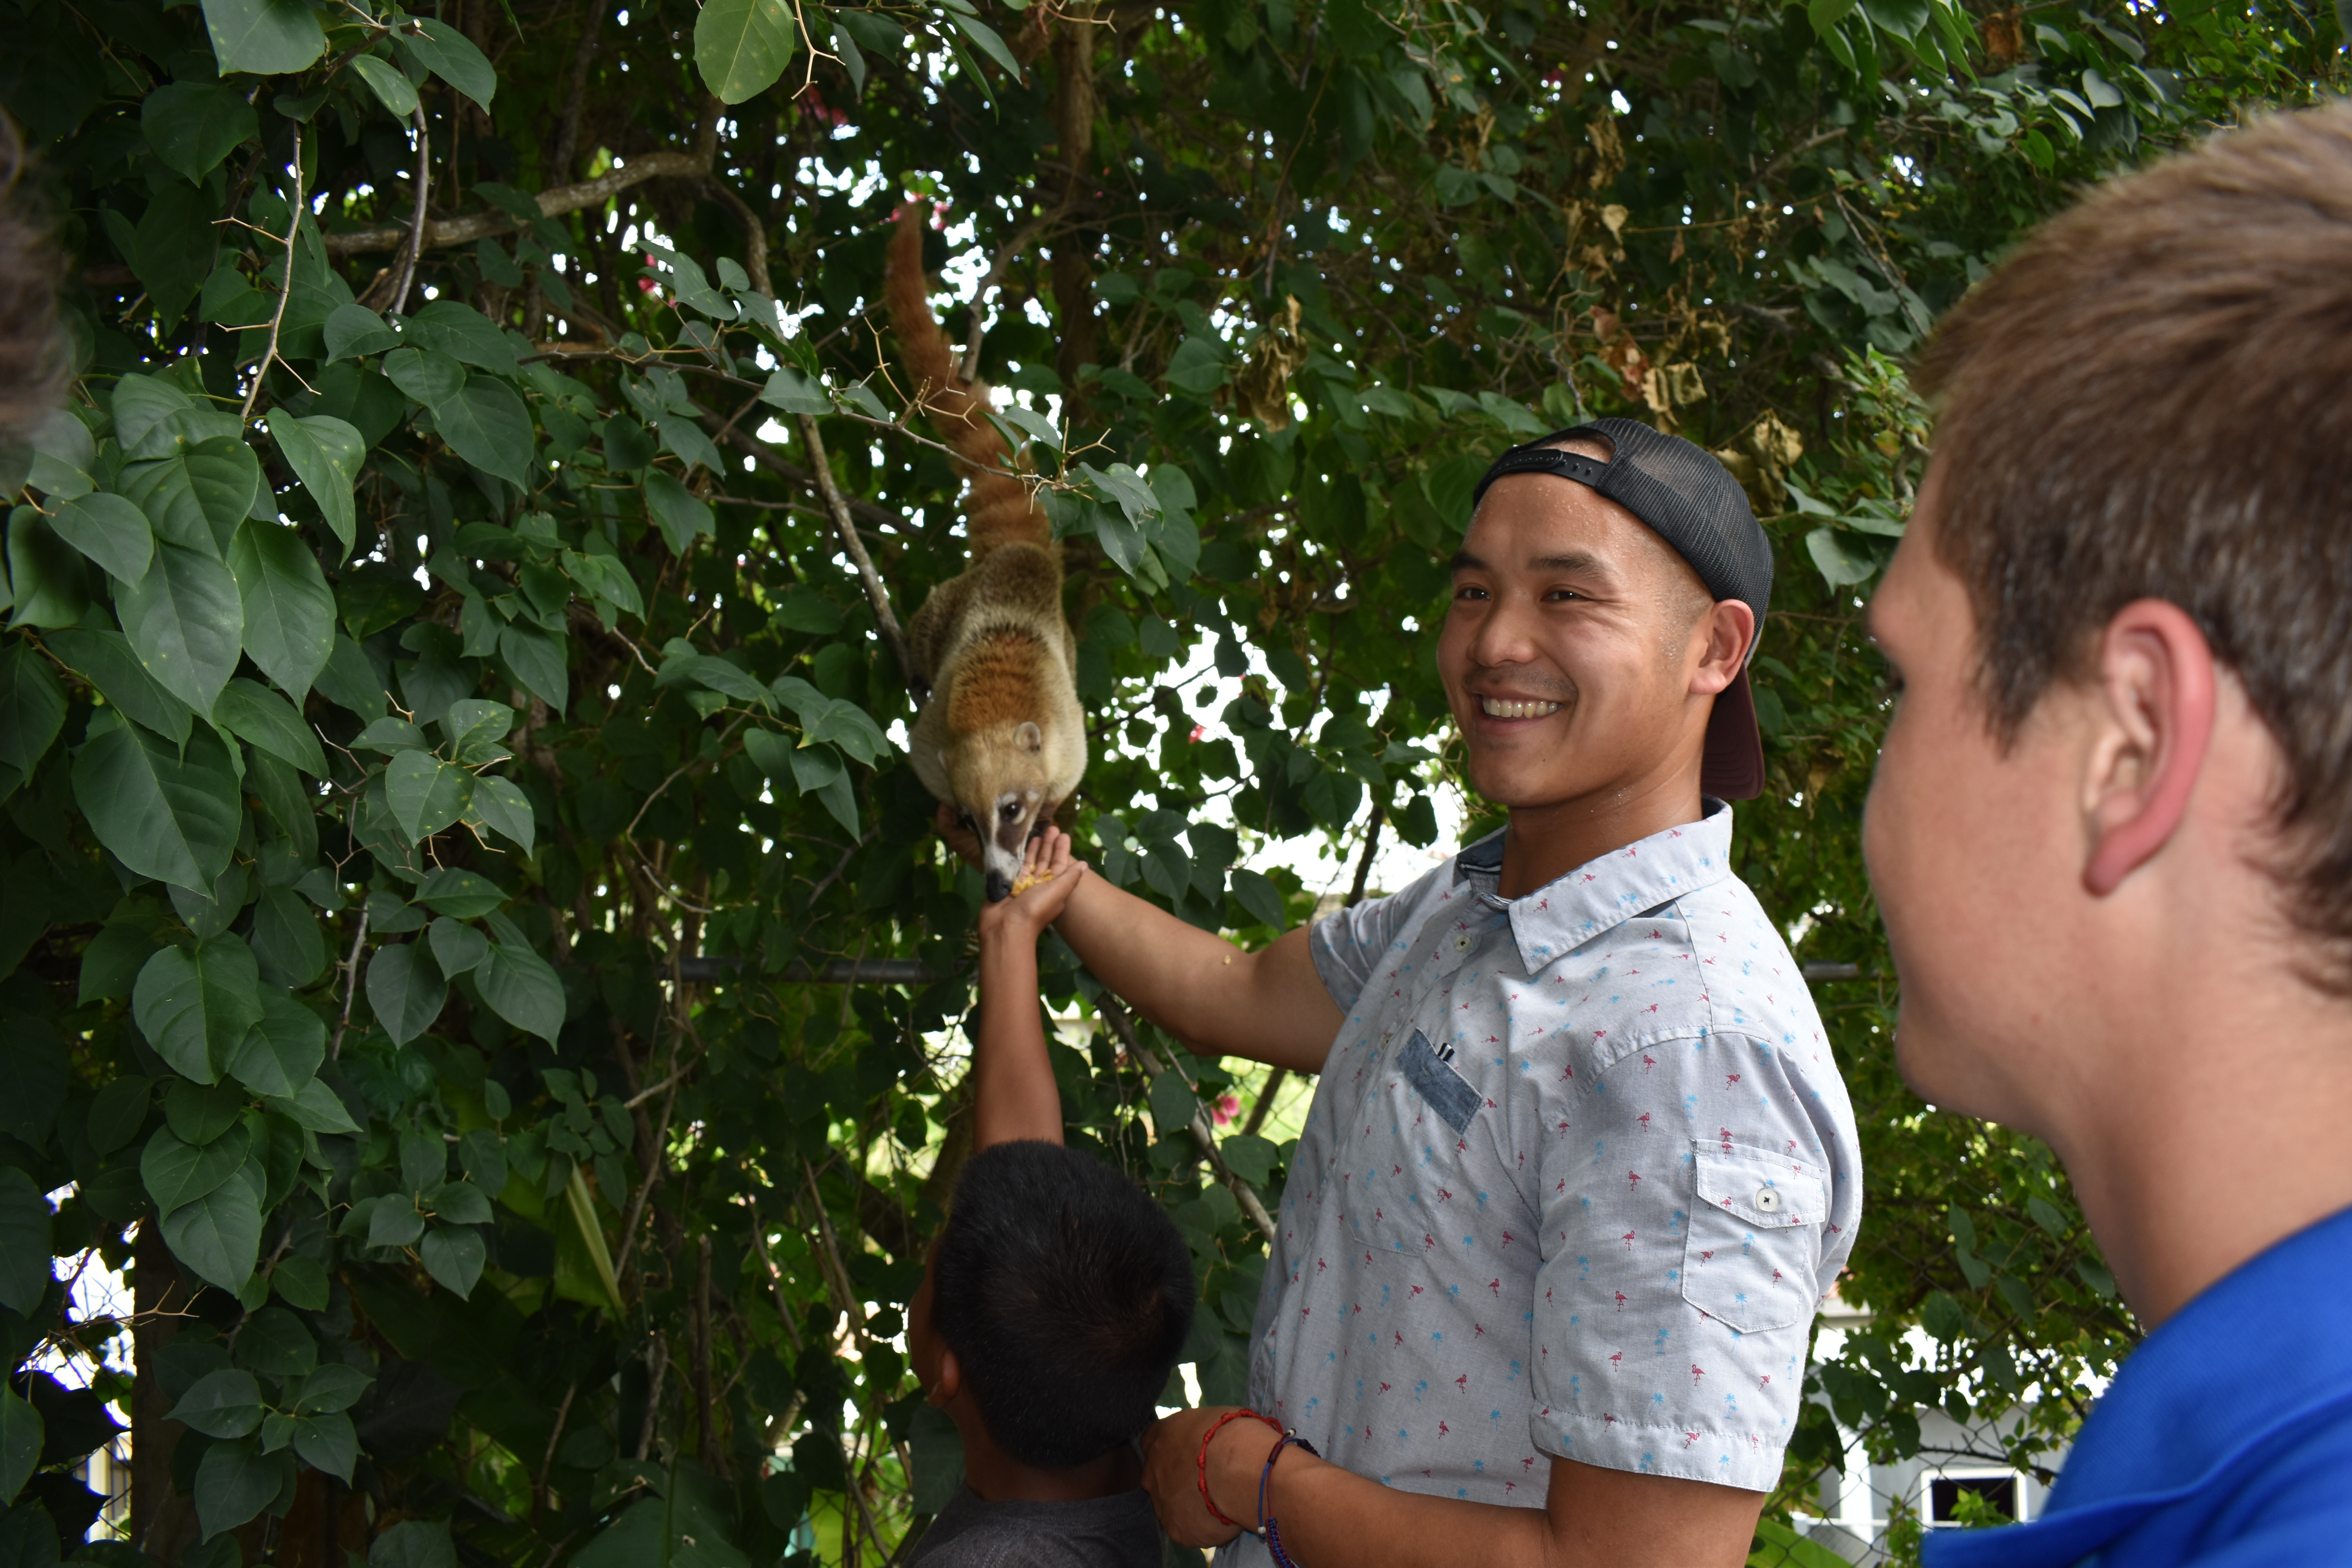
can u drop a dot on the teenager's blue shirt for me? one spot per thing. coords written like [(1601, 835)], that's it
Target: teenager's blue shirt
[(2224, 1442)]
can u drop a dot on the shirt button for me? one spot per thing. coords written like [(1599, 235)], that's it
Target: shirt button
[(1768, 1200), (1461, 940)]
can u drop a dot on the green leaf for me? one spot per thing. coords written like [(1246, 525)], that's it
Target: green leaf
[(236, 1480), (469, 895), (21, 1436), (742, 47), (413, 1543), (390, 87), (282, 1052), (453, 1255), (267, 38), (315, 1107), (301, 1282), (456, 329), (31, 706), (456, 947), (1249, 1156), (24, 1242), (196, 497), (325, 454), (111, 531), (192, 125), (172, 820), (1840, 565), (1259, 897), (330, 1443), (394, 1222), (224, 1404), (429, 376), (1825, 15), (64, 452), (426, 793), (793, 393), (487, 424), (536, 658), (253, 713), (106, 661), (334, 1386), (185, 621), (989, 43), (676, 510), (45, 574), (521, 987), (117, 1112), (195, 1005), (451, 56), (501, 806), (405, 990), (218, 1235), (354, 330)]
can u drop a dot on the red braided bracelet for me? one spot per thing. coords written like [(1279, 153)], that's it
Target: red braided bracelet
[(1206, 1439)]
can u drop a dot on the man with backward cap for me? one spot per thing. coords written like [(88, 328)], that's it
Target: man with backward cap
[(1579, 1167)]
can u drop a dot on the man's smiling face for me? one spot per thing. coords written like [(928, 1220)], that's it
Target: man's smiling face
[(1576, 653)]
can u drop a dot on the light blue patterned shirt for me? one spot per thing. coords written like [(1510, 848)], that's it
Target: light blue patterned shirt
[(1577, 1170)]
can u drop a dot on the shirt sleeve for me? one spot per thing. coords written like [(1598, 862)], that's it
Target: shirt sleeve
[(1348, 943), (1684, 1232)]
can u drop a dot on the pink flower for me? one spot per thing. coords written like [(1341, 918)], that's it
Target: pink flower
[(1228, 1107)]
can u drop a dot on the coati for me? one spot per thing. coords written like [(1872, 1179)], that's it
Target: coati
[(1001, 738)]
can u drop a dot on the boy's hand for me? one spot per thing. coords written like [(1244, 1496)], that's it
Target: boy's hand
[(1049, 875)]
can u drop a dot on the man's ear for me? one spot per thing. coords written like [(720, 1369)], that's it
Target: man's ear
[(1723, 634), (2155, 708), (948, 1385)]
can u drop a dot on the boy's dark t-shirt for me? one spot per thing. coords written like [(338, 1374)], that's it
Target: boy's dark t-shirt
[(1115, 1532)]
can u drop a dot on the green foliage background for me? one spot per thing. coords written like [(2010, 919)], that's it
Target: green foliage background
[(444, 774)]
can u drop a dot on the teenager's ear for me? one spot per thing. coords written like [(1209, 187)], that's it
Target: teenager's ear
[(2156, 711)]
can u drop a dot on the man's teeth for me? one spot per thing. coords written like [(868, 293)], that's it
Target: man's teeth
[(1495, 708)]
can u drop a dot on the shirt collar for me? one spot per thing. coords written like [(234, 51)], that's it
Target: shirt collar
[(1603, 893)]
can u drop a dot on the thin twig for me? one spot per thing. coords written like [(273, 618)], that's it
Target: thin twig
[(415, 240), (285, 292), (847, 527), (350, 985), (539, 1483), (1244, 1193)]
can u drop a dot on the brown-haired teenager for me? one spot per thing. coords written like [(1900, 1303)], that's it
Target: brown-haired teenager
[(2112, 825)]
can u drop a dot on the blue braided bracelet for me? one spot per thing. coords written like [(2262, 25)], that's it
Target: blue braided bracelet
[(1266, 1529)]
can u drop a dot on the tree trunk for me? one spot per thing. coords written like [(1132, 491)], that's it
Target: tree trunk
[(1074, 126), (162, 1525)]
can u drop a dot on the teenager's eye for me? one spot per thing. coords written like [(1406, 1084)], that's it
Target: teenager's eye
[(1470, 591), (1563, 593)]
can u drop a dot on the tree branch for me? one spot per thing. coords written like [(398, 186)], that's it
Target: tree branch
[(551, 204), (875, 594), (1244, 1193)]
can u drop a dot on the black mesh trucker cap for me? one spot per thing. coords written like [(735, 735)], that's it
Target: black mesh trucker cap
[(1692, 503)]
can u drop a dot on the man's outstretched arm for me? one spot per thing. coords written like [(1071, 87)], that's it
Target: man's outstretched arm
[(1330, 1516), (1221, 1000)]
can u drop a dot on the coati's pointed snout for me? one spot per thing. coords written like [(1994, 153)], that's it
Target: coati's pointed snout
[(1000, 886)]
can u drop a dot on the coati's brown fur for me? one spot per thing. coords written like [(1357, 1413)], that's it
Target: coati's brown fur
[(1001, 738)]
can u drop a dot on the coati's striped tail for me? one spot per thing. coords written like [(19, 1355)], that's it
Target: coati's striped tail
[(999, 508)]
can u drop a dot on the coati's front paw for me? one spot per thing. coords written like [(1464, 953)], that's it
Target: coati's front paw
[(960, 839)]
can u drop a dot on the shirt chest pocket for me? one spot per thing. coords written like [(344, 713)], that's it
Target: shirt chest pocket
[(1411, 1160), (1755, 1236)]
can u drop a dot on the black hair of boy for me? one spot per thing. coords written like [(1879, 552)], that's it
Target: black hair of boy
[(1065, 1294)]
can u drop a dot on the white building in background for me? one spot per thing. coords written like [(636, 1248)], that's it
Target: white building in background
[(1857, 1504)]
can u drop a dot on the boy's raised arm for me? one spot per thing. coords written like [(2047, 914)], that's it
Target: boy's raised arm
[(1014, 1093), (1269, 1005)]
